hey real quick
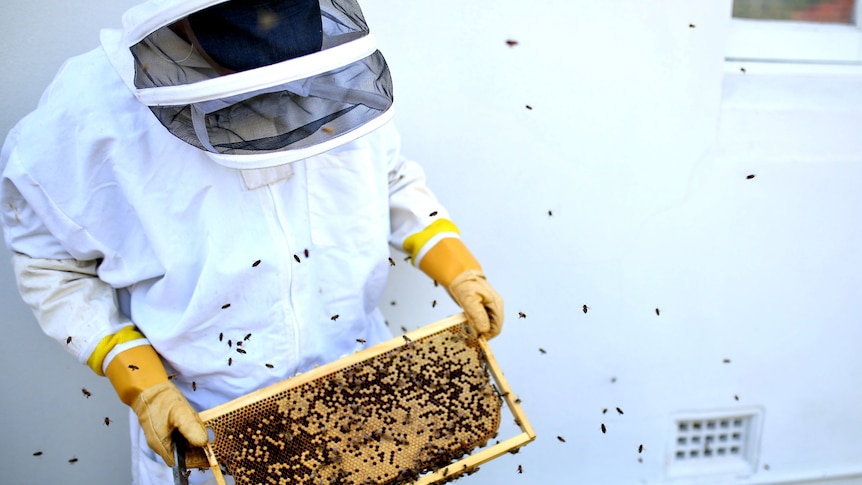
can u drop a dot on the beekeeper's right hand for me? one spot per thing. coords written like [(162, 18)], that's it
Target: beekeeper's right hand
[(140, 380)]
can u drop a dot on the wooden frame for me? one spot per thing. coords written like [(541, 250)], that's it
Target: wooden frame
[(466, 464)]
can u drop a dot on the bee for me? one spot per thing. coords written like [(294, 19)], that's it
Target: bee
[(543, 351), (107, 421), (511, 43), (561, 439), (239, 343), (37, 453), (657, 312), (270, 366), (766, 467), (171, 376), (328, 130), (445, 471), (68, 340), (736, 397), (229, 361), (297, 258), (229, 343), (585, 308), (520, 469), (403, 329), (749, 176), (254, 265), (528, 106), (433, 303), (226, 305), (742, 70), (391, 262), (619, 410), (522, 315), (247, 336), (194, 386), (550, 213), (407, 339), (726, 361), (305, 252), (613, 379), (641, 448), (133, 367), (393, 303), (605, 411), (220, 336), (517, 400), (73, 460), (86, 392), (361, 340), (604, 428), (691, 26), (408, 258), (334, 317), (432, 214), (241, 351)]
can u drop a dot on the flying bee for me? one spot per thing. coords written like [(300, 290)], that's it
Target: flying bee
[(241, 351), (391, 262), (73, 460), (691, 26), (107, 421), (86, 393), (619, 410), (37, 453), (736, 397), (229, 343), (247, 336), (657, 311), (605, 411), (561, 439), (520, 469), (432, 214), (133, 367), (742, 70), (522, 315), (226, 305), (239, 343), (585, 308), (543, 351), (641, 449), (220, 336), (305, 252), (749, 176), (297, 258), (726, 361), (511, 43), (254, 265), (328, 130), (528, 107), (361, 340), (604, 428), (334, 317), (269, 365), (194, 386), (433, 303), (229, 361), (68, 340)]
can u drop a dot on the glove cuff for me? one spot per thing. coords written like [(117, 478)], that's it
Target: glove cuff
[(133, 370), (448, 259)]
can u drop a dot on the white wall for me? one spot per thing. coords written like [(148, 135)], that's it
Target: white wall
[(639, 143)]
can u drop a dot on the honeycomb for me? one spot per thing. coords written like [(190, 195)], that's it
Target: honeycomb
[(387, 419)]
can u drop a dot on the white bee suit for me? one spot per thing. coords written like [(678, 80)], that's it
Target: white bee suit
[(238, 278)]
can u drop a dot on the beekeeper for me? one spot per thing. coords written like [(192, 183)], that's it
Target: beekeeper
[(220, 176)]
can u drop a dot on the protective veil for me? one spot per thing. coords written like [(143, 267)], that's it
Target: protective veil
[(255, 82), (239, 275)]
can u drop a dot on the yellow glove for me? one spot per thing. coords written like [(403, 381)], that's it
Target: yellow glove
[(452, 265), (140, 380)]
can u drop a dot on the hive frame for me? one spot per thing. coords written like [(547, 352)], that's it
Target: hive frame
[(466, 464)]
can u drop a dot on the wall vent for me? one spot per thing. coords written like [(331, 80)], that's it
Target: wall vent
[(710, 443)]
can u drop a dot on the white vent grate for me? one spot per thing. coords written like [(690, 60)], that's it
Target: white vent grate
[(710, 443)]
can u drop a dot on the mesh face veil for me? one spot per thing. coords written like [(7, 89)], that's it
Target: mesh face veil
[(255, 83)]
